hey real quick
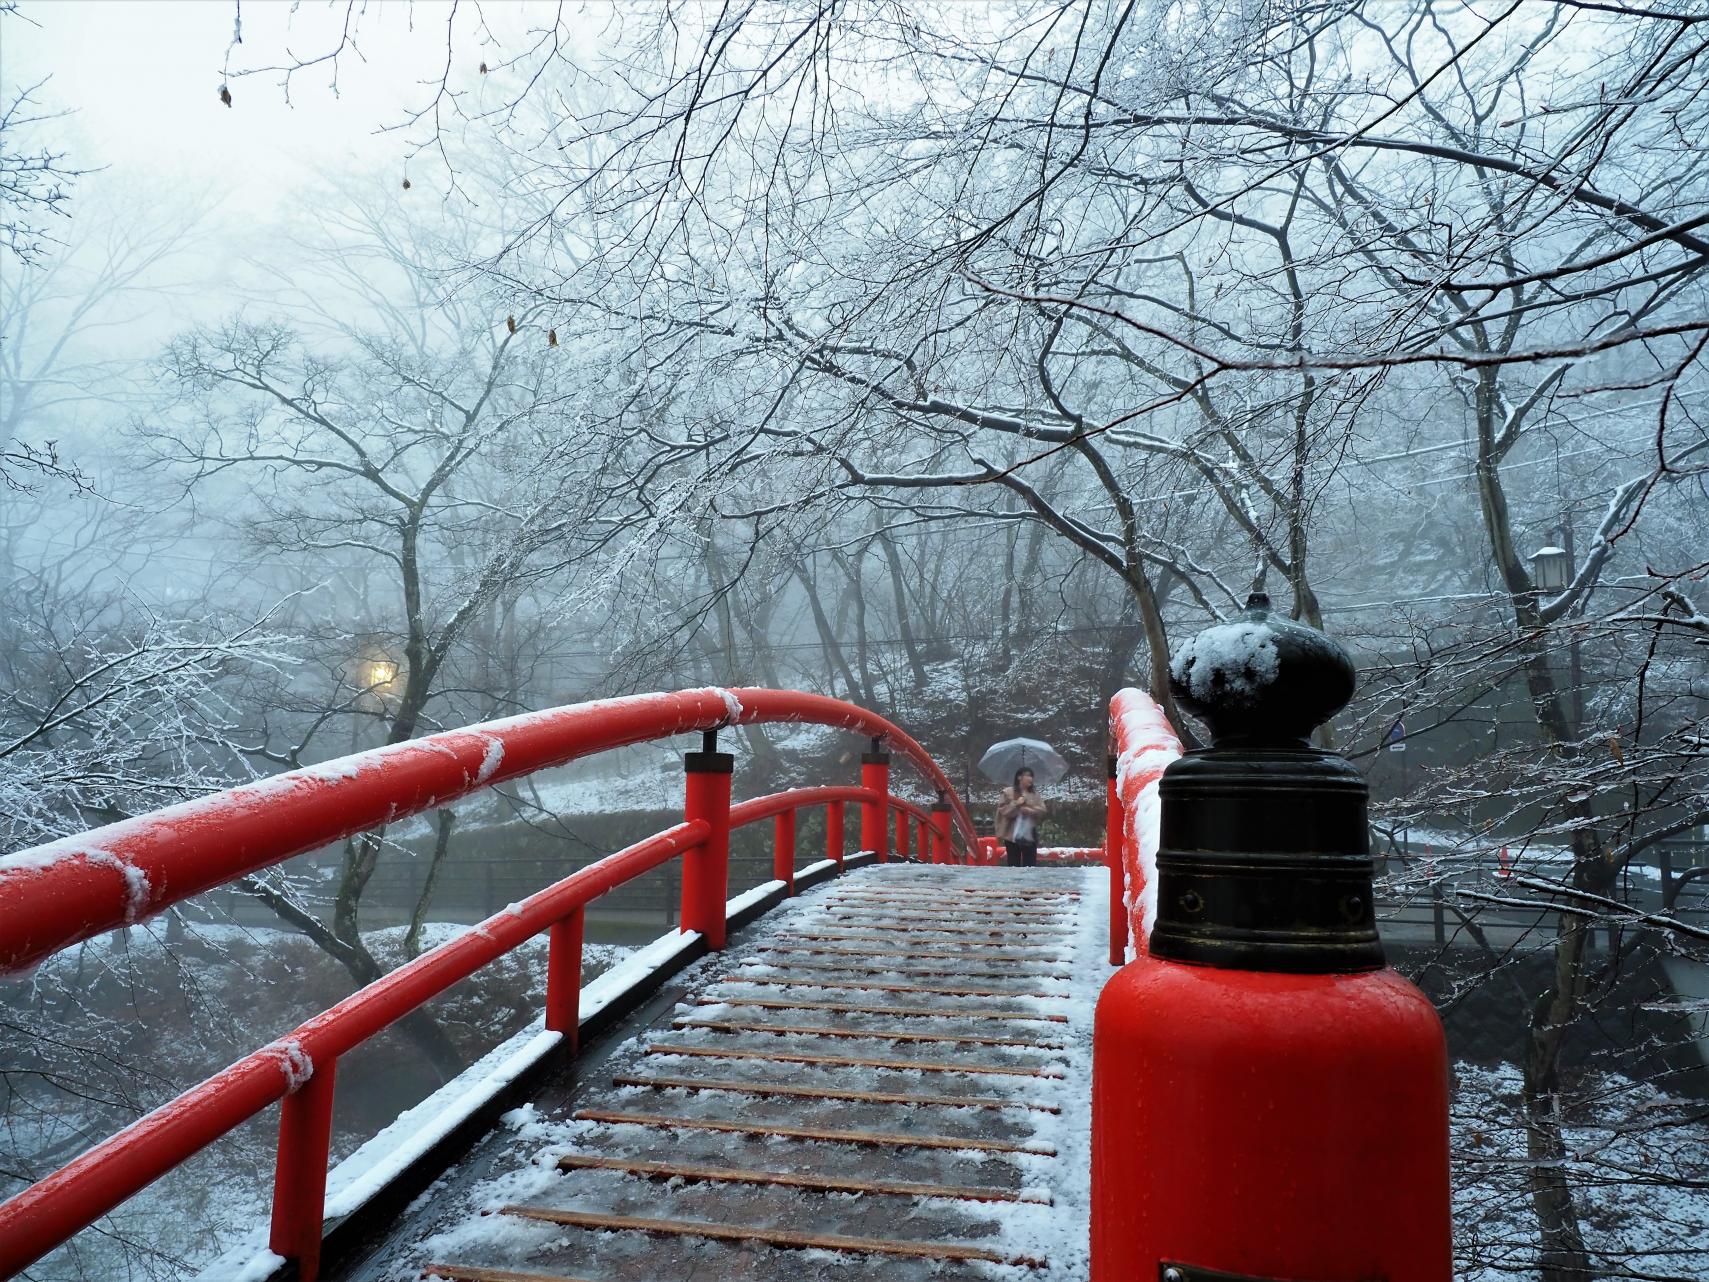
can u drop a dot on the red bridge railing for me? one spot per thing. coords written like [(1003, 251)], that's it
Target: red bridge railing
[(1142, 744), (59, 894)]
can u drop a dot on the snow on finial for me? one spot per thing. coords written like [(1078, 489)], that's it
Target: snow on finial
[(1262, 677)]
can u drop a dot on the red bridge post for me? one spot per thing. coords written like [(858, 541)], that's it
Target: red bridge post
[(783, 849), (875, 815), (940, 831), (564, 977), (706, 868), (299, 1181), (902, 844), (1268, 1100)]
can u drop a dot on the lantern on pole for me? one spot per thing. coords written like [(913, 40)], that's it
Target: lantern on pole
[(1552, 569), (379, 673), (1269, 1101)]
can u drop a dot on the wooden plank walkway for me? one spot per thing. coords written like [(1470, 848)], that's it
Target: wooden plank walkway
[(810, 1108)]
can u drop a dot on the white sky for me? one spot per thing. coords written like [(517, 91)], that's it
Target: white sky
[(142, 78)]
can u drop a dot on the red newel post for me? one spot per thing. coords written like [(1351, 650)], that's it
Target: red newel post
[(834, 832), (940, 831), (1268, 1101), (706, 868), (1118, 875), (875, 815), (299, 1175), (783, 850), (902, 835), (564, 977)]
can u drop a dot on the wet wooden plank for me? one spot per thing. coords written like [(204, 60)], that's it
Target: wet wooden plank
[(899, 1012), (901, 954), (787, 1238), (475, 1273), (967, 947), (850, 1061), (829, 1093), (964, 893), (906, 972), (863, 1034), (795, 1180), (885, 927), (822, 1134), (924, 989), (979, 932)]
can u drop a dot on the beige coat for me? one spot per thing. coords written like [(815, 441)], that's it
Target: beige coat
[(1011, 808)]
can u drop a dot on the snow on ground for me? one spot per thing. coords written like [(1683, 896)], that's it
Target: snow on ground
[(1638, 1160)]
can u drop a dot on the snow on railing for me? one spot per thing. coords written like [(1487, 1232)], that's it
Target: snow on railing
[(1143, 743), (56, 895)]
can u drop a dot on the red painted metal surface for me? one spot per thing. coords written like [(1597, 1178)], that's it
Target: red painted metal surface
[(67, 891), (564, 976), (1269, 1125), (299, 1174), (875, 814), (940, 834), (706, 868)]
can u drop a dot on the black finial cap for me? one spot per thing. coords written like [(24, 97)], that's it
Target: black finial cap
[(1261, 678), (1264, 860)]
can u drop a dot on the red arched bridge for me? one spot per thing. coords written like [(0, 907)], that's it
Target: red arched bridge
[(878, 1064)]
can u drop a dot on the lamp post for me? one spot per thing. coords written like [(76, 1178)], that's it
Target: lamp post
[(379, 673), (1552, 571), (374, 675)]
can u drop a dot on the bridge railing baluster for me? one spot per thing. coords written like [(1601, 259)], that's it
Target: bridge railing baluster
[(564, 976), (875, 814), (940, 831), (706, 868), (299, 1173)]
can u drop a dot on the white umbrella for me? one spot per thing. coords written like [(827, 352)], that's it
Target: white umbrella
[(1001, 760)]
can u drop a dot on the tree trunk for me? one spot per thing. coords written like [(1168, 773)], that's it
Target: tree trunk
[(904, 624), (835, 661), (1563, 1256), (418, 916), (857, 601), (1005, 606)]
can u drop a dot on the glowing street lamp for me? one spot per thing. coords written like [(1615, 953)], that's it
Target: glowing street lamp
[(379, 673)]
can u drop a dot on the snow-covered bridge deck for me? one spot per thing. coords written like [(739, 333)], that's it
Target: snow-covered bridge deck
[(886, 1078)]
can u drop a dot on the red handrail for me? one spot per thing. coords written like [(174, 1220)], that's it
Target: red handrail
[(58, 894), (67, 891), (1143, 743)]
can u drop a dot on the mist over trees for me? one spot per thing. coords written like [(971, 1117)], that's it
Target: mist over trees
[(957, 360)]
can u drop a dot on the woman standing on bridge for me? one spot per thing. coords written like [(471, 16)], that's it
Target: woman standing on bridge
[(1018, 815)]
